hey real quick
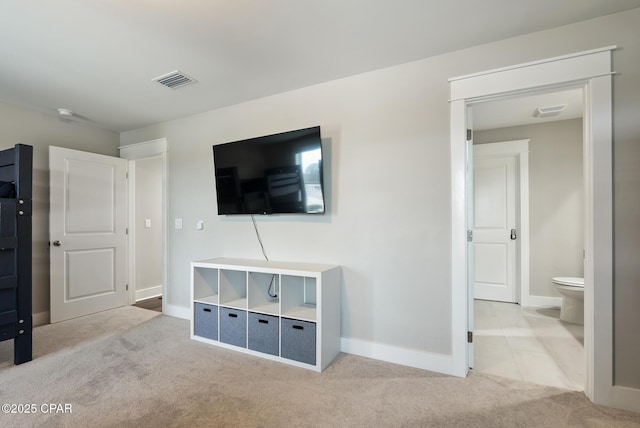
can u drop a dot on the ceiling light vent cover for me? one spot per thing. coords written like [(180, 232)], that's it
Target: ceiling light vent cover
[(174, 80)]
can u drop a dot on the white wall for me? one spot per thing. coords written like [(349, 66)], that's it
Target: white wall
[(148, 240), (18, 125), (388, 223), (555, 199), (377, 171)]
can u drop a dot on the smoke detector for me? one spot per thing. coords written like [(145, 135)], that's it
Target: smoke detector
[(549, 111), (174, 80)]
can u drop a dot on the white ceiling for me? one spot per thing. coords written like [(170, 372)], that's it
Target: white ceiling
[(98, 57), (520, 110)]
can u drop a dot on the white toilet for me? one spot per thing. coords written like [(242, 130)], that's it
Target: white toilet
[(572, 290)]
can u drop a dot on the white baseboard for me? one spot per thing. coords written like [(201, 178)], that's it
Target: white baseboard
[(408, 357), (541, 301), (176, 311), (149, 292), (40, 318), (623, 397)]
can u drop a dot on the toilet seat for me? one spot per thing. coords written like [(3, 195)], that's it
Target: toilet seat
[(570, 281)]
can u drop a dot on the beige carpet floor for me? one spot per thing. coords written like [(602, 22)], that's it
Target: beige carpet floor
[(131, 367)]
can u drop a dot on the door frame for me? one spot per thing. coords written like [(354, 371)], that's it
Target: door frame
[(520, 150), (134, 152), (590, 70)]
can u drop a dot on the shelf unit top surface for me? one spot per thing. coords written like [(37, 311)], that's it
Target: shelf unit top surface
[(264, 266)]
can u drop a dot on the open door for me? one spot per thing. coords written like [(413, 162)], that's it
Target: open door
[(87, 232), (495, 201), (470, 245)]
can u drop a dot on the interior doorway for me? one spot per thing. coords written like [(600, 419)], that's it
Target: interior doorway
[(528, 341), (147, 222), (147, 177), (590, 70)]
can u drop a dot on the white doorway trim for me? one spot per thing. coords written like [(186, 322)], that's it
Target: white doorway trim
[(133, 152), (520, 150), (590, 70)]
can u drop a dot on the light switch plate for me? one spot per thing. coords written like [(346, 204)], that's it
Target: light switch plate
[(178, 223)]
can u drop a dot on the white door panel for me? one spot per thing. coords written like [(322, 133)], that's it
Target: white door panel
[(88, 210), (87, 229), (490, 196), (495, 199), (491, 264), (90, 273)]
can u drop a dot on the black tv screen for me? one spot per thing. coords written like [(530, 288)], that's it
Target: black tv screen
[(272, 174)]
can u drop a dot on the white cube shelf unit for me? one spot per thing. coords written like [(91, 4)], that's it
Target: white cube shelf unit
[(233, 306)]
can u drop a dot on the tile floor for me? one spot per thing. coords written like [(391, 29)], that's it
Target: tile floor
[(529, 344)]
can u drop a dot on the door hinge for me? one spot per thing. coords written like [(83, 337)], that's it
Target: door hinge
[(469, 235), (469, 337), (126, 231), (126, 287), (469, 135), (127, 174)]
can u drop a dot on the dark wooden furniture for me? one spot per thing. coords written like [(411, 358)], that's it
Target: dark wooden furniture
[(16, 165)]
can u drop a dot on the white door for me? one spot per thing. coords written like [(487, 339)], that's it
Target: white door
[(87, 232), (494, 228), (470, 268)]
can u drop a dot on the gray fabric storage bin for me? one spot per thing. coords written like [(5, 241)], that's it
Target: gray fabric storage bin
[(233, 327), (298, 341), (264, 331), (205, 321)]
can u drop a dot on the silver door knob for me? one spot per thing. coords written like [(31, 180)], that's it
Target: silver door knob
[(57, 243)]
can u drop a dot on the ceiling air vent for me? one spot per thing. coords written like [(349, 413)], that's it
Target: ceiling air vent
[(174, 80), (549, 111)]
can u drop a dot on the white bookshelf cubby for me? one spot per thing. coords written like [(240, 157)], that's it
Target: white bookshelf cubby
[(288, 312), (264, 292), (299, 297), (205, 285), (233, 288)]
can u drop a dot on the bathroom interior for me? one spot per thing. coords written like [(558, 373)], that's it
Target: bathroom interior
[(542, 344)]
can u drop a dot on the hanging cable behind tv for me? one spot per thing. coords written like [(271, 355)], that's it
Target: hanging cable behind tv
[(271, 291)]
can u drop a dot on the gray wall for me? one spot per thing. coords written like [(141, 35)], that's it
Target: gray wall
[(18, 125), (389, 218), (556, 203), (148, 206)]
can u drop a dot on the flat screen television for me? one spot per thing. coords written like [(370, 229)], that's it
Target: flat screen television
[(272, 174)]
